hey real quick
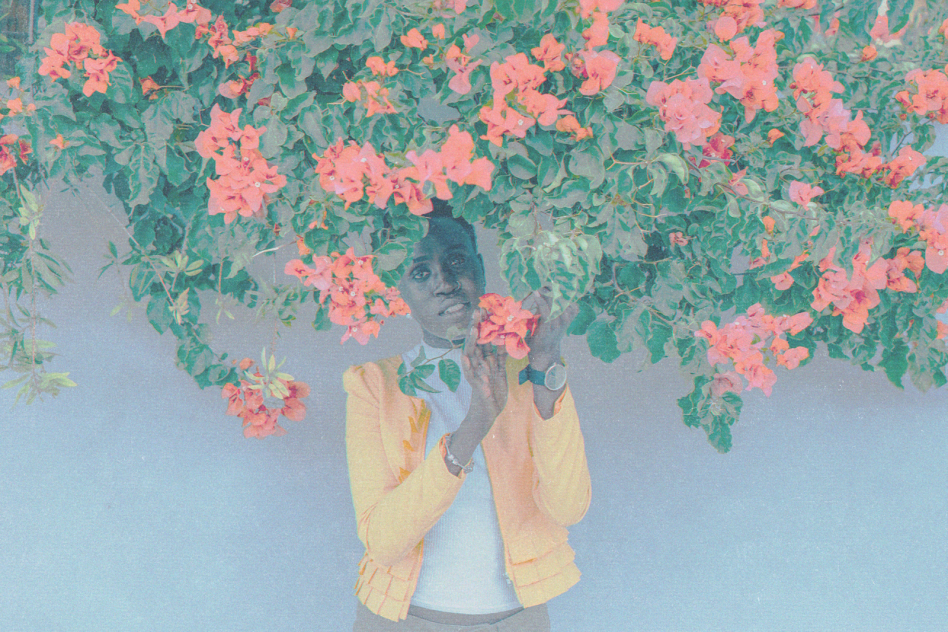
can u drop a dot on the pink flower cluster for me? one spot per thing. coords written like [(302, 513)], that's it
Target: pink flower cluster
[(220, 39), (853, 296), (930, 95), (597, 69), (353, 172), (747, 74), (736, 16), (193, 13), (370, 93), (588, 7), (515, 83), (747, 342), (880, 30), (657, 37), (461, 64), (797, 4), (244, 180), (12, 147), (507, 324), (683, 106), (802, 193), (784, 280), (79, 45), (902, 166), (932, 226), (356, 294), (242, 84), (248, 403), (717, 149), (813, 90)]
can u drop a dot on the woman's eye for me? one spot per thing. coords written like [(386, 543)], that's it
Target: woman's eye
[(457, 261), (420, 274)]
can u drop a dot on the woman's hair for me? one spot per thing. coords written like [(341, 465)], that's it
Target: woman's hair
[(442, 210)]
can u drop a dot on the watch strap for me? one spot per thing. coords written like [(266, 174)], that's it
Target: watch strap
[(529, 374)]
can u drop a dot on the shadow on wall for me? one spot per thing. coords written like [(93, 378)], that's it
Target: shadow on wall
[(133, 503)]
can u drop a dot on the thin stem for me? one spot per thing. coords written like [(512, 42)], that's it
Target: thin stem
[(145, 256), (34, 377)]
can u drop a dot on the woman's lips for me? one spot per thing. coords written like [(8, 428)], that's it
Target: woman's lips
[(454, 309)]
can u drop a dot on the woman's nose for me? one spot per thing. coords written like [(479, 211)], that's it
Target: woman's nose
[(447, 281)]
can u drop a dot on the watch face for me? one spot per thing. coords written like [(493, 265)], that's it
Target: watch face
[(555, 377)]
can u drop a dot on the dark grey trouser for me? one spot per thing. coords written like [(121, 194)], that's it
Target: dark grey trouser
[(533, 619)]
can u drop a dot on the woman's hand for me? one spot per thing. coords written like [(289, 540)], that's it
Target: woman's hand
[(485, 367), (545, 342)]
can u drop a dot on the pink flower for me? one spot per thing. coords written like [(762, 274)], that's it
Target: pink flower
[(683, 107), (598, 33), (727, 382), (802, 193), (506, 324), (725, 28), (599, 70)]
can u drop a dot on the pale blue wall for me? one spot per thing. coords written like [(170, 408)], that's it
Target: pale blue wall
[(132, 503)]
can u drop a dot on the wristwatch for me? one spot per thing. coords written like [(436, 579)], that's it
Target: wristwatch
[(554, 378)]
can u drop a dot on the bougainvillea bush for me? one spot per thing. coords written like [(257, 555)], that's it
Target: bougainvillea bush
[(730, 183)]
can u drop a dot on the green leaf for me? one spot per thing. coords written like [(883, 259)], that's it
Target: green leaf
[(653, 140), (660, 333), (895, 362), (420, 358), (121, 86), (382, 35), (677, 165), (407, 386), (588, 164), (719, 433), (521, 167), (450, 374), (628, 136), (158, 314), (602, 341), (424, 371), (273, 140), (142, 172), (582, 321), (391, 255), (516, 10)]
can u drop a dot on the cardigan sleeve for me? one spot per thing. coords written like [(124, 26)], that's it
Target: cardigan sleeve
[(394, 508), (561, 483)]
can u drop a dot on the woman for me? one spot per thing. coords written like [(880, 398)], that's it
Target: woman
[(462, 498)]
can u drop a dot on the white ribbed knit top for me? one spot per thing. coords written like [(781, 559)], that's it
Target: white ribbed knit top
[(462, 567)]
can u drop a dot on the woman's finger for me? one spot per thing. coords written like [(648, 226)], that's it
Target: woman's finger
[(470, 341)]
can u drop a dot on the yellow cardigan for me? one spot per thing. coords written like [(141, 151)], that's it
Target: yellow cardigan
[(537, 469)]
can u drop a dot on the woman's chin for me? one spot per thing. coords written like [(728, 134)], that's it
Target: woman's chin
[(453, 330)]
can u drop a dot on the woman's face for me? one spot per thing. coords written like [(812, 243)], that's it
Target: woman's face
[(443, 283)]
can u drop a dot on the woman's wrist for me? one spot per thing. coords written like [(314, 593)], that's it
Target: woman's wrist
[(454, 464), (469, 434), (542, 361)]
